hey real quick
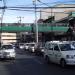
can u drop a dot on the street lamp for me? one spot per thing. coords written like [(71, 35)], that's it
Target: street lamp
[(34, 3)]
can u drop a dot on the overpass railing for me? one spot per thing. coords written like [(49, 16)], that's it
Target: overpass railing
[(42, 27), (30, 24)]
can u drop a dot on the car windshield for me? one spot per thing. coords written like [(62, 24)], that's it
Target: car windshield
[(27, 44), (21, 44), (66, 47), (73, 43), (32, 45), (7, 47)]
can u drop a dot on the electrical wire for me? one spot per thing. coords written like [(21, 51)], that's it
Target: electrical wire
[(57, 2), (33, 11), (36, 7), (43, 3), (23, 5), (19, 9)]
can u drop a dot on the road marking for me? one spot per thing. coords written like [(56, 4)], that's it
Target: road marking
[(39, 62)]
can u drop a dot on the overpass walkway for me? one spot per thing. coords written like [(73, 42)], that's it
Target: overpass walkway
[(31, 27)]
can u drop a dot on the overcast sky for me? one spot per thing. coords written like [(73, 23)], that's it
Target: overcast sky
[(27, 16)]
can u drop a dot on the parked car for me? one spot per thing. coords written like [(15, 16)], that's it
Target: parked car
[(21, 46), (26, 46), (62, 53), (7, 51), (13, 44), (32, 47)]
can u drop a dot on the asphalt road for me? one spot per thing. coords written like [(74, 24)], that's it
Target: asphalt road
[(29, 64)]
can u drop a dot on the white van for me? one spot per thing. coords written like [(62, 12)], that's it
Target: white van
[(62, 53)]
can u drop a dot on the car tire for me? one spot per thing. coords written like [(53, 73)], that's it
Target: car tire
[(63, 63)]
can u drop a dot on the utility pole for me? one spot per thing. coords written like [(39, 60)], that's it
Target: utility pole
[(20, 19), (40, 14), (34, 3), (20, 24), (2, 15)]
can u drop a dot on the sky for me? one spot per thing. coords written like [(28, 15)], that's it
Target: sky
[(11, 16)]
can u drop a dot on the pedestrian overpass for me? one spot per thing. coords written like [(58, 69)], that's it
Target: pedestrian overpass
[(31, 27)]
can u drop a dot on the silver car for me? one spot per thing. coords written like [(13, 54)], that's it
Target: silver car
[(32, 47), (7, 51)]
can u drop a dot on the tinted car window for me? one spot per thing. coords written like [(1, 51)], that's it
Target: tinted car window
[(50, 46), (7, 47), (56, 48), (32, 45), (66, 47), (46, 46)]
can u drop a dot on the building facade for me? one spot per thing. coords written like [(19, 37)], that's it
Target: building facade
[(58, 13), (8, 38)]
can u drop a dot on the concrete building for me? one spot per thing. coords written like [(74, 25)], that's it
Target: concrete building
[(8, 37), (58, 13)]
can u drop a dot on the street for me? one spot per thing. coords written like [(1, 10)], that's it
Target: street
[(29, 64)]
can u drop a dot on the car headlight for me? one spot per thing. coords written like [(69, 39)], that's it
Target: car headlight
[(42, 50), (70, 56)]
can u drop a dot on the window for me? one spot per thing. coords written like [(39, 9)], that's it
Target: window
[(46, 46), (56, 48), (66, 47), (7, 47), (50, 46)]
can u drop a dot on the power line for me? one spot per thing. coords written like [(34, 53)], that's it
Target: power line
[(43, 3), (57, 2), (5, 7), (19, 9), (33, 11), (24, 5), (60, 2), (38, 7)]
